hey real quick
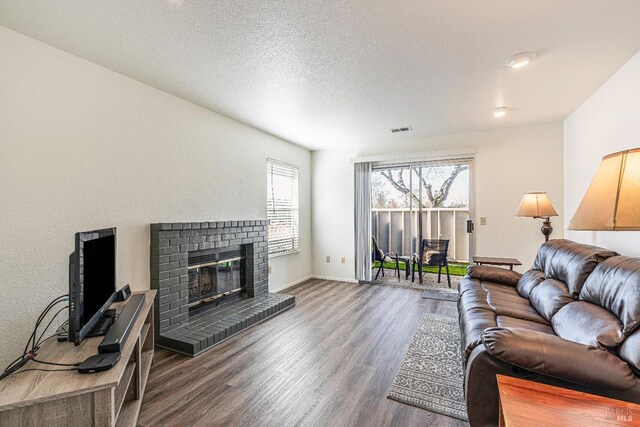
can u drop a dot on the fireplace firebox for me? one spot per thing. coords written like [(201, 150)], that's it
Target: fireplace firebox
[(215, 275)]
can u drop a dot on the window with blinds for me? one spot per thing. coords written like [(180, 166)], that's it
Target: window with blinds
[(282, 207)]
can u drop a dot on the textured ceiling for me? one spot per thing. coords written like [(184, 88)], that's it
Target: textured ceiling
[(325, 74)]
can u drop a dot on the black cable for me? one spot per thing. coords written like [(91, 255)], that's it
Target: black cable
[(27, 354), (54, 363), (14, 366), (56, 334), (61, 298), (32, 337), (47, 327), (36, 369), (48, 307), (48, 338), (39, 343)]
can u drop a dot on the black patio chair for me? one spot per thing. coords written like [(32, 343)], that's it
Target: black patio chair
[(378, 255), (434, 253)]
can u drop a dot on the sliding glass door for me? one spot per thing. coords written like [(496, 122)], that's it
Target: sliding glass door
[(423, 200), (393, 209)]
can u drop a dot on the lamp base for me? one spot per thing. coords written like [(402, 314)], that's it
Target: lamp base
[(546, 228)]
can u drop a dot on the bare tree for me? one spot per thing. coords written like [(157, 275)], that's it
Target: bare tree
[(434, 199)]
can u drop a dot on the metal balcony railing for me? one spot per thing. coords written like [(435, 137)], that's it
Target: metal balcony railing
[(396, 230)]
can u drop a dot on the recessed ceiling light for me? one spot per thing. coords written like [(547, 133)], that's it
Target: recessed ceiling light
[(520, 60), (500, 111)]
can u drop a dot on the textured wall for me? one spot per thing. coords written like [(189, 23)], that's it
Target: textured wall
[(82, 147), (607, 122), (509, 162)]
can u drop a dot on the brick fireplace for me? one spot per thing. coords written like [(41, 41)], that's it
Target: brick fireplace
[(187, 258)]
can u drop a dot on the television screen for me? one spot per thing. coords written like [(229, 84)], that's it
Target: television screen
[(92, 280), (99, 270)]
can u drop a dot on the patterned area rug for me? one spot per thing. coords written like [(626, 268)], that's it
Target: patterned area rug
[(443, 294), (431, 375)]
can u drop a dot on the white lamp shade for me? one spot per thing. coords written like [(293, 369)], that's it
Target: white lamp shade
[(536, 205), (612, 201)]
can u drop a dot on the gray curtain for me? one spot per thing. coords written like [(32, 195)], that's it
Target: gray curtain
[(363, 221)]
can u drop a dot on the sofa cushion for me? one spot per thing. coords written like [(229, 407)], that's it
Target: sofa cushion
[(615, 285), (569, 262), (549, 297), (629, 351), (472, 323), (473, 298), (588, 324), (502, 300), (553, 356), (513, 306), (510, 322), (500, 289), (467, 283), (486, 273), (528, 281)]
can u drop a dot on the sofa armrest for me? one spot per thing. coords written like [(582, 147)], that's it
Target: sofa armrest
[(499, 275), (551, 355)]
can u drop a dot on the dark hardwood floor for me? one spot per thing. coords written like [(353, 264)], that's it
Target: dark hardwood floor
[(328, 361)]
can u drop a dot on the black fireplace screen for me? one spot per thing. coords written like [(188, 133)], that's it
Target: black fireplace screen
[(215, 275)]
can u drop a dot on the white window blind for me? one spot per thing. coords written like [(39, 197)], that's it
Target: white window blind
[(282, 207)]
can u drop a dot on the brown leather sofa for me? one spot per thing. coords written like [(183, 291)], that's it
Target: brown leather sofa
[(572, 321)]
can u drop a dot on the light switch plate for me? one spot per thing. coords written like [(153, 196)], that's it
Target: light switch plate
[(483, 220), (328, 258)]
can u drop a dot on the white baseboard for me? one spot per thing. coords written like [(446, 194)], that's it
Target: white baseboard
[(288, 285), (335, 279)]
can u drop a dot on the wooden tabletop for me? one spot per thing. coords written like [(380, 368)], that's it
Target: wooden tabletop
[(495, 260), (526, 403), (22, 389)]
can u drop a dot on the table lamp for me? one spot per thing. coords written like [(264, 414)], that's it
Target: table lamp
[(612, 201), (538, 205)]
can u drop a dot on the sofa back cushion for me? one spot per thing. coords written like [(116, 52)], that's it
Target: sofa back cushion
[(569, 262), (528, 281), (550, 296), (615, 286), (588, 324)]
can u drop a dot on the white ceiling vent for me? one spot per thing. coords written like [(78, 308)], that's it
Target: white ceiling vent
[(402, 129)]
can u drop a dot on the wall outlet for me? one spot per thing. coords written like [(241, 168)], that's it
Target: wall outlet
[(483, 220), (328, 258), (343, 260), (270, 270)]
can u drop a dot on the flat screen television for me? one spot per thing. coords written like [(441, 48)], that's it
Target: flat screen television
[(92, 280)]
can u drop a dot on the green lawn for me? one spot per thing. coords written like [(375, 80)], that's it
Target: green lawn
[(455, 269)]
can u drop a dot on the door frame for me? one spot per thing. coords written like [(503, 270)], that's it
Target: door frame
[(426, 158)]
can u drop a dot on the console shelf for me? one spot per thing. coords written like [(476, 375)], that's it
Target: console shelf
[(120, 392), (110, 398)]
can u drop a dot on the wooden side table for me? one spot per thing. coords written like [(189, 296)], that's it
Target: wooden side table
[(481, 260), (529, 404), (109, 398)]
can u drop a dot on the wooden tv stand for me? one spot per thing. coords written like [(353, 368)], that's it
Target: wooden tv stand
[(109, 398)]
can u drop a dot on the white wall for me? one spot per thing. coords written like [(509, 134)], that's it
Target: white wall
[(607, 122), (509, 162), (82, 147)]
